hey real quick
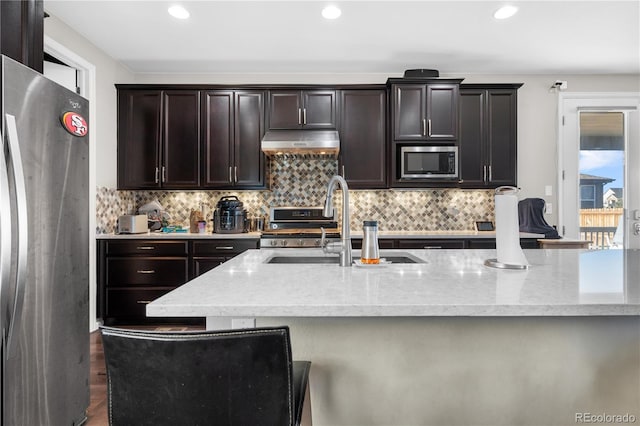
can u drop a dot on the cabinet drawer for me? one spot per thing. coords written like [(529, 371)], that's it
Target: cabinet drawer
[(356, 243), (223, 247), (489, 243), (147, 248), (431, 244), (122, 272), (127, 303)]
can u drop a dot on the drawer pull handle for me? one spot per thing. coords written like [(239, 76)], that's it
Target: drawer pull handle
[(146, 271), (224, 248), (143, 302), (146, 248), (432, 247)]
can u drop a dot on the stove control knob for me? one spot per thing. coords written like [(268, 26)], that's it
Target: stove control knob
[(274, 242), (301, 242), (317, 243), (284, 243)]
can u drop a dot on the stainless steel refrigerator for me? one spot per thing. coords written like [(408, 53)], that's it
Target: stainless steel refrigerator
[(44, 246)]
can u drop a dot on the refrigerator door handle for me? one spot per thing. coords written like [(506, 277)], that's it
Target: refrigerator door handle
[(5, 243), (22, 228)]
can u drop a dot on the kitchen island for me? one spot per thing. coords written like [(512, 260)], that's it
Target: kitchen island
[(447, 341)]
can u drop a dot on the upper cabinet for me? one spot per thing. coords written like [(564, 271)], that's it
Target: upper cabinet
[(21, 32), (297, 109), (233, 126), (363, 135), (424, 111), (488, 135), (158, 139)]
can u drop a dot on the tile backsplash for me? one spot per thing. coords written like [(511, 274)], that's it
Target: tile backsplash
[(302, 181)]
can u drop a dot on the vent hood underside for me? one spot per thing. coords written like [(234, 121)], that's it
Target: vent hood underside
[(301, 142)]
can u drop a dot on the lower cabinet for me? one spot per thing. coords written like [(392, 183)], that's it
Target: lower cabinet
[(448, 243), (133, 273), (207, 254)]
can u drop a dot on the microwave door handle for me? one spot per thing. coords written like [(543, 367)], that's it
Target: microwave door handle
[(22, 228)]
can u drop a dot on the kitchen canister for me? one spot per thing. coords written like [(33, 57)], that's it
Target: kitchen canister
[(370, 250)]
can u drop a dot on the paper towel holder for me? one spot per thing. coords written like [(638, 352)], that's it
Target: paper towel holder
[(505, 190)]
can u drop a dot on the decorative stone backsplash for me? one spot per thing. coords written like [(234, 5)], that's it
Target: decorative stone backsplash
[(302, 181)]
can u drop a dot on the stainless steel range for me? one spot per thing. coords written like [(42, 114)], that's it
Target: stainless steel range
[(298, 227)]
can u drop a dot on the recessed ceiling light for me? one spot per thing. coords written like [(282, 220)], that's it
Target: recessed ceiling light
[(505, 12), (178, 11), (331, 12)]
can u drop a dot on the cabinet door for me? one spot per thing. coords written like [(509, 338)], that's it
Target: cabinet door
[(285, 109), (409, 115), (473, 166), (21, 32), (218, 123), (319, 109), (181, 139), (363, 138), (430, 244), (139, 113), (442, 112), (502, 137), (249, 168)]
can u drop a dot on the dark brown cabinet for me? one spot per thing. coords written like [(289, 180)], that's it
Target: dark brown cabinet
[(296, 109), (233, 126), (488, 135), (158, 139), (363, 135), (207, 254), (21, 31), (425, 111), (443, 243), (134, 272)]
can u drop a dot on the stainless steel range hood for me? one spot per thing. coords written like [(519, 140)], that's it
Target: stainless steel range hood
[(301, 142)]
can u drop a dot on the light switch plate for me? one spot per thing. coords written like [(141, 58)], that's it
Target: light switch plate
[(548, 190), (548, 208)]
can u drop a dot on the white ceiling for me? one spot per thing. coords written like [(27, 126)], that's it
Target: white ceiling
[(456, 37)]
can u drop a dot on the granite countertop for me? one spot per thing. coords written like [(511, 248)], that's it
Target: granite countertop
[(441, 234), (448, 283), (356, 234), (176, 235)]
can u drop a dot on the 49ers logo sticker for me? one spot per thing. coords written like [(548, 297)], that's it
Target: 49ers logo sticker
[(74, 123)]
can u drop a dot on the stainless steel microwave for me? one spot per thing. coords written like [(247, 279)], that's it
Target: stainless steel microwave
[(428, 162)]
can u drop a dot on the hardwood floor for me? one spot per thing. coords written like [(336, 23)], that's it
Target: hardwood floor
[(97, 414)]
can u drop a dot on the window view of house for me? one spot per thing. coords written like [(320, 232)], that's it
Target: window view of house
[(601, 178)]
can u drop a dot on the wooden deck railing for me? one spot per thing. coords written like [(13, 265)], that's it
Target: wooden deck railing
[(601, 237), (599, 226)]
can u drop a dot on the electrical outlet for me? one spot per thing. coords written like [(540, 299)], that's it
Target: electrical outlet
[(548, 208)]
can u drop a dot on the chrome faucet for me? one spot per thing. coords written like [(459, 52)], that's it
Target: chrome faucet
[(344, 246)]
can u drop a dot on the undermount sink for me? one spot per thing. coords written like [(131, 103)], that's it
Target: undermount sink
[(391, 258)]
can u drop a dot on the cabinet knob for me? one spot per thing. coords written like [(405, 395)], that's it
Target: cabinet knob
[(145, 248)]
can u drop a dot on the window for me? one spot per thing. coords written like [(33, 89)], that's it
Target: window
[(587, 196)]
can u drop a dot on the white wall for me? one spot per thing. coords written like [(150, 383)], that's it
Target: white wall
[(108, 72)]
